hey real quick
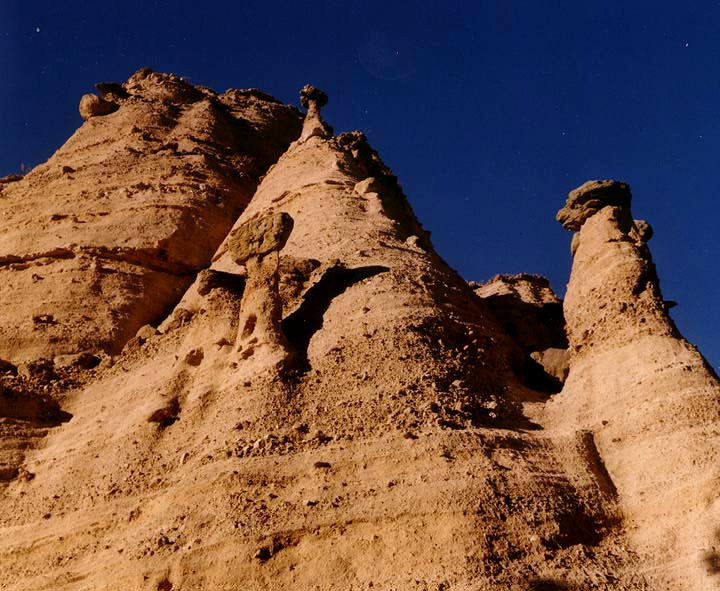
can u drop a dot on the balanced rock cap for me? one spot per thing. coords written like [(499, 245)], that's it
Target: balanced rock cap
[(591, 197), (257, 237), (310, 93)]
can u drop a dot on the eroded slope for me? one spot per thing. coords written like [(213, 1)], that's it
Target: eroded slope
[(107, 234), (328, 406)]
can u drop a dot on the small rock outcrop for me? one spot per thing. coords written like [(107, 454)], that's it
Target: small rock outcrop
[(92, 105)]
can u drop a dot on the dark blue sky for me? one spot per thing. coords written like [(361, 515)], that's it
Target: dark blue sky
[(489, 112)]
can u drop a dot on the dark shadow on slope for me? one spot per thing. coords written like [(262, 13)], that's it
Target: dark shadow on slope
[(575, 526), (36, 408), (596, 465), (536, 378), (167, 415), (711, 558), (532, 327), (300, 326), (209, 279)]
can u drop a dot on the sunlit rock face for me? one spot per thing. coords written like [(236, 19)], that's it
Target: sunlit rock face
[(649, 397), (247, 367), (107, 235)]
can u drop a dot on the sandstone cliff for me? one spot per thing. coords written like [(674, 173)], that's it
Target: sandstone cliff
[(238, 363), (107, 235)]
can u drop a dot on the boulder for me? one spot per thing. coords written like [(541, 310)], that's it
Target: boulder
[(554, 361), (82, 360), (92, 105)]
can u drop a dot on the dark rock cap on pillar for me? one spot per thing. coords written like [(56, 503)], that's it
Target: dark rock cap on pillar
[(314, 99), (591, 197), (310, 93), (257, 237)]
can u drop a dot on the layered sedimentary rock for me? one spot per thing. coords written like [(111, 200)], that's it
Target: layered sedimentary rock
[(648, 397), (323, 403), (107, 235), (531, 314)]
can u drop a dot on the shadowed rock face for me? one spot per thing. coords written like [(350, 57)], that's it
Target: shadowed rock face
[(527, 308), (531, 314), (107, 235), (645, 392)]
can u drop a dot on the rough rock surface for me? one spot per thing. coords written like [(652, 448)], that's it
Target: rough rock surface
[(107, 235), (647, 396), (324, 403), (257, 237)]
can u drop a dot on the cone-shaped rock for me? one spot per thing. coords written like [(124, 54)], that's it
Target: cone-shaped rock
[(107, 235)]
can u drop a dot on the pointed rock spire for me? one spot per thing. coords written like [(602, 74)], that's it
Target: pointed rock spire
[(313, 99)]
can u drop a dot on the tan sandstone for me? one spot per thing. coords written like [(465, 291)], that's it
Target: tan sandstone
[(294, 391)]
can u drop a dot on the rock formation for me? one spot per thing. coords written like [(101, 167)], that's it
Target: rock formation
[(313, 99), (256, 244), (265, 377), (648, 397), (108, 234), (531, 313), (92, 105)]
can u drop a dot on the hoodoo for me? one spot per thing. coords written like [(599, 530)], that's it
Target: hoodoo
[(265, 376), (648, 397)]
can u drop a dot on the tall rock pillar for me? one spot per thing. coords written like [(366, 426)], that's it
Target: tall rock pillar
[(648, 397)]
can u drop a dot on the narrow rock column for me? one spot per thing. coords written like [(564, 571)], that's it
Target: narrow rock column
[(643, 392), (261, 308), (256, 244), (313, 99), (614, 292)]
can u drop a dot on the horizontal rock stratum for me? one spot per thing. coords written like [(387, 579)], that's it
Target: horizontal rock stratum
[(232, 359)]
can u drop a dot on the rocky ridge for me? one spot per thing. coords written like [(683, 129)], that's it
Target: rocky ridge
[(235, 360), (141, 199)]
